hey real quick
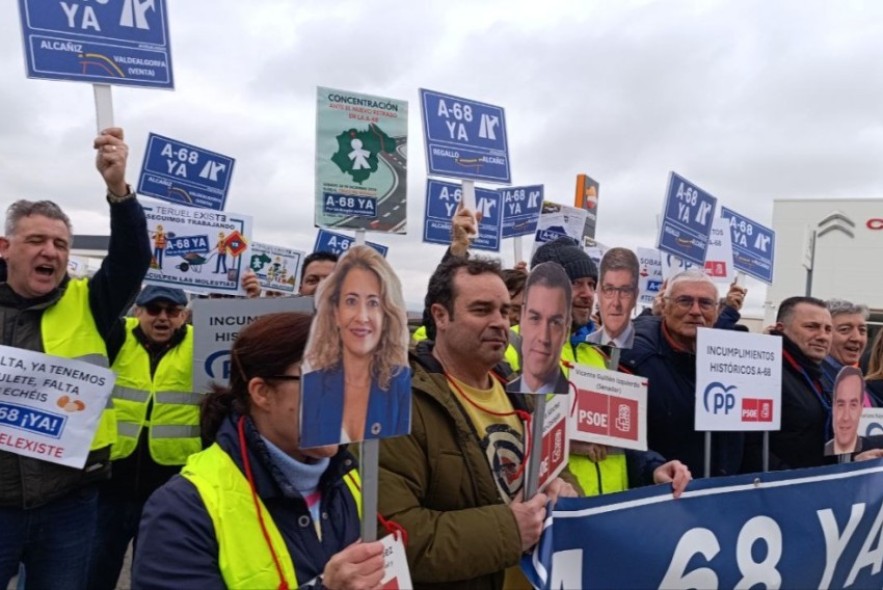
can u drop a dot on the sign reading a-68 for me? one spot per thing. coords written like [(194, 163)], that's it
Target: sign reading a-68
[(182, 173)]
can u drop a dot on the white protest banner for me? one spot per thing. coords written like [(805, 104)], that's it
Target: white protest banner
[(559, 220), (555, 446), (718, 258), (738, 381), (216, 323), (277, 268), (610, 408), (871, 422), (197, 250), (650, 276), (396, 574), (50, 406), (361, 161)]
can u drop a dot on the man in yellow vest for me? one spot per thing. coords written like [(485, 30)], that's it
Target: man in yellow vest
[(157, 420), (48, 511)]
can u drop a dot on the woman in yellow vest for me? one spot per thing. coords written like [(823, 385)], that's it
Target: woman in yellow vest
[(254, 510)]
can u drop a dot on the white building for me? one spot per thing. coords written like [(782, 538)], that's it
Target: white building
[(848, 260)]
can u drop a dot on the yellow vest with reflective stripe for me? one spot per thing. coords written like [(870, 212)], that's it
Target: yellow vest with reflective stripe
[(604, 477), (244, 558), (68, 330), (419, 334), (174, 420)]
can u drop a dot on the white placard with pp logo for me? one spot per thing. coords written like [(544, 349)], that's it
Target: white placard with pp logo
[(738, 381)]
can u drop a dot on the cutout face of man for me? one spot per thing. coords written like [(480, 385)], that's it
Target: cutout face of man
[(544, 328), (847, 411)]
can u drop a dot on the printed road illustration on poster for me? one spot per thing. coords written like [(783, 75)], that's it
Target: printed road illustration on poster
[(198, 250), (277, 268), (50, 406), (361, 161)]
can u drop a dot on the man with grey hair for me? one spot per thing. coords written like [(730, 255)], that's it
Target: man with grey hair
[(48, 511), (619, 294), (849, 339), (664, 351)]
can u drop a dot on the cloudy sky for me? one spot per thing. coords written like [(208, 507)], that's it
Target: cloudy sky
[(751, 100)]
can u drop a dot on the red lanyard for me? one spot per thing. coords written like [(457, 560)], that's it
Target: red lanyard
[(523, 415), (283, 585)]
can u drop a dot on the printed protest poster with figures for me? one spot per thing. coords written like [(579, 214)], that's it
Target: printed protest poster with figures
[(609, 408), (361, 161), (198, 250), (50, 407), (277, 268)]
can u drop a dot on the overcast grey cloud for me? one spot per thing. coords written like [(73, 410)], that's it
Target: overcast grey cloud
[(750, 100)]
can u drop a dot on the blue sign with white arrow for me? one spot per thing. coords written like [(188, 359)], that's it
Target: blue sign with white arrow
[(521, 210), (754, 246), (181, 173), (329, 241), (465, 138), (442, 199), (686, 220), (124, 42)]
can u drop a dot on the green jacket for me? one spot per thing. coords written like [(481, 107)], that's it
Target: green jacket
[(437, 483)]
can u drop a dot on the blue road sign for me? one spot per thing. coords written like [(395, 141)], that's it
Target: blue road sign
[(442, 199), (686, 221), (464, 138), (754, 246), (123, 42), (340, 204), (521, 210), (185, 174), (329, 241)]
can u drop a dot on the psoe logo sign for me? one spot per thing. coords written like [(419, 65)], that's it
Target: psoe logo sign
[(718, 398), (757, 410)]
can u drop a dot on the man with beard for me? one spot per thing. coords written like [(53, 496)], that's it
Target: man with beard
[(455, 482)]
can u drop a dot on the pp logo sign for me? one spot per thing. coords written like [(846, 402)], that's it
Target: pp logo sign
[(720, 397)]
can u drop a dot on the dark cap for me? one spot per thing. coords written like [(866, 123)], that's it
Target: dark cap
[(567, 252), (152, 293)]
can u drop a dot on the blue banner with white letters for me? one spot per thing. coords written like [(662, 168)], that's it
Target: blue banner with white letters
[(124, 42), (686, 220), (807, 528), (329, 241), (521, 210), (442, 199)]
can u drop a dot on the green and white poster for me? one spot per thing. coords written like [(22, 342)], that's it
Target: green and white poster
[(361, 161)]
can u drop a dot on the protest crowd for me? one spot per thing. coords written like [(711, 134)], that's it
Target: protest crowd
[(220, 488)]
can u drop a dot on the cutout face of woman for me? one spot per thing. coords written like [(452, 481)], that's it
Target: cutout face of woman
[(359, 312)]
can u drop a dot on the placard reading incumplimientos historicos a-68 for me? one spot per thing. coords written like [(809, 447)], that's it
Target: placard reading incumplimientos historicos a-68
[(361, 161), (738, 381)]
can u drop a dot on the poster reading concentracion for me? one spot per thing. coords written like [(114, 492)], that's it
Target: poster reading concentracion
[(361, 161)]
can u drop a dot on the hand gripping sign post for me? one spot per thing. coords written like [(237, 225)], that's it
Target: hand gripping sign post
[(50, 406), (361, 161), (122, 43), (738, 385), (184, 174)]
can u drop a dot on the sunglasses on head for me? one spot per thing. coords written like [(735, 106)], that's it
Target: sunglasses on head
[(155, 309)]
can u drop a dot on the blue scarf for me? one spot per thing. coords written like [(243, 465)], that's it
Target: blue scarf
[(303, 476), (579, 336)]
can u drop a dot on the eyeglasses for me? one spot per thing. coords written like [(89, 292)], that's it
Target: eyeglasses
[(171, 311), (686, 302), (609, 292), (283, 377)]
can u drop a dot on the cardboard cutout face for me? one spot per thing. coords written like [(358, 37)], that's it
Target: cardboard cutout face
[(617, 295), (846, 411), (544, 328), (356, 382)]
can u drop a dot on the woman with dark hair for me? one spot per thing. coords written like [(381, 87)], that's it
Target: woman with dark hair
[(253, 510)]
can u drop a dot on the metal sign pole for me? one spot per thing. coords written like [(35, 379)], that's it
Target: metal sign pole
[(518, 249), (766, 451), (368, 465), (536, 448), (708, 454)]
